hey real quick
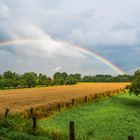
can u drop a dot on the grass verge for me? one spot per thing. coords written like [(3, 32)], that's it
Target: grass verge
[(110, 119)]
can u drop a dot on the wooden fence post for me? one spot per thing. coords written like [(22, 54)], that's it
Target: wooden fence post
[(73, 101), (31, 112), (85, 99), (59, 107), (34, 122), (6, 112), (95, 96), (72, 131), (130, 138), (108, 93)]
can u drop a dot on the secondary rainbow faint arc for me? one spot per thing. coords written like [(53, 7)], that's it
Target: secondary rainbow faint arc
[(86, 51)]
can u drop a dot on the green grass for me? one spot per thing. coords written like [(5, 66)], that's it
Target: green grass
[(16, 127), (111, 119)]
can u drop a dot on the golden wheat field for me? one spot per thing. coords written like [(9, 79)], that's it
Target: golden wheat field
[(18, 100)]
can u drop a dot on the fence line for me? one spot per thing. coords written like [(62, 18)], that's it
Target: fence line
[(71, 123), (74, 102), (6, 112)]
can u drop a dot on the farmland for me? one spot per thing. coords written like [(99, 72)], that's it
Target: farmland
[(18, 100), (112, 119)]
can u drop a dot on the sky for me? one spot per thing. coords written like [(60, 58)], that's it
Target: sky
[(110, 28)]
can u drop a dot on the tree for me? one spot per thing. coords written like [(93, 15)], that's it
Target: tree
[(64, 75), (135, 86), (59, 78), (108, 78), (9, 75), (30, 78), (59, 81), (70, 80), (76, 76), (2, 84), (59, 75), (43, 80)]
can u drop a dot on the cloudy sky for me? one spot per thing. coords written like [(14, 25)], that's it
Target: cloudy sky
[(110, 28)]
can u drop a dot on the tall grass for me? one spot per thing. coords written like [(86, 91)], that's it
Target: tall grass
[(110, 119)]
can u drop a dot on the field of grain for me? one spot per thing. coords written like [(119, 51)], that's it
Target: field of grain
[(17, 100)]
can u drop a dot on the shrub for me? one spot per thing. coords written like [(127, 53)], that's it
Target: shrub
[(135, 86)]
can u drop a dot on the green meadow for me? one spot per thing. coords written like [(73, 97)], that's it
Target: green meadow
[(110, 119), (113, 118)]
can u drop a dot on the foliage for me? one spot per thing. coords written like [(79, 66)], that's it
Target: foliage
[(102, 120), (117, 116), (43, 80), (135, 86), (108, 78), (16, 127), (30, 79), (71, 80)]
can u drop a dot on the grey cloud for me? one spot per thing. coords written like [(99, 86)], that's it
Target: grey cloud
[(4, 10), (95, 25)]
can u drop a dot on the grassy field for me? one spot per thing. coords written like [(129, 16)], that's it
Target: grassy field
[(17, 100), (111, 119)]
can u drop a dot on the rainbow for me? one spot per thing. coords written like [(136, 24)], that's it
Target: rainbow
[(79, 48)]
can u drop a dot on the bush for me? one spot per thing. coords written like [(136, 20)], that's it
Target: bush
[(135, 86)]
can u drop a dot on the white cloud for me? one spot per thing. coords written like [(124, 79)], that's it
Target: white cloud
[(41, 44), (4, 10), (98, 25), (57, 69)]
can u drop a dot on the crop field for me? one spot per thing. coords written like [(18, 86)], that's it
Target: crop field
[(113, 118), (18, 100)]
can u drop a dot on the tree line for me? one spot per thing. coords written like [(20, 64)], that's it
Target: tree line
[(134, 87), (11, 79), (108, 78)]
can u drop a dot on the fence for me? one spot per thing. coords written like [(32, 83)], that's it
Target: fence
[(32, 114), (49, 109)]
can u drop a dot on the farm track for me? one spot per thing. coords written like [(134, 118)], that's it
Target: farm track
[(18, 100)]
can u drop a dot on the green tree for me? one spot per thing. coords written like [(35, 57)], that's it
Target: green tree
[(76, 76), (22, 82), (59, 75), (10, 79), (64, 75), (59, 81), (30, 78), (70, 80), (2, 83), (9, 75), (59, 78), (43, 80), (135, 85)]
